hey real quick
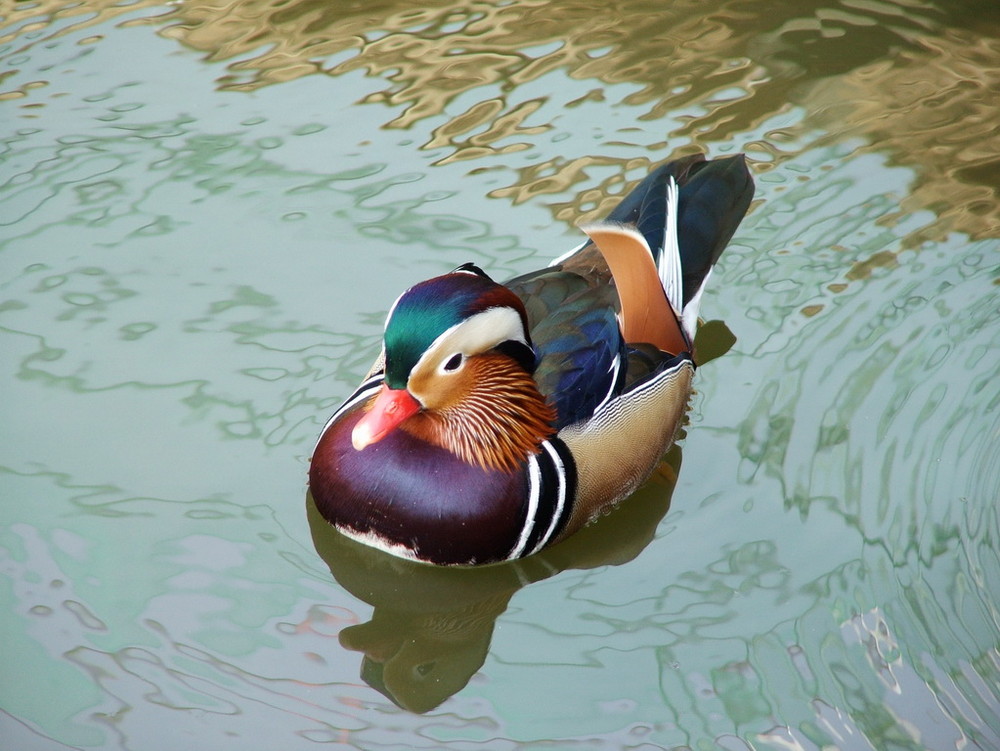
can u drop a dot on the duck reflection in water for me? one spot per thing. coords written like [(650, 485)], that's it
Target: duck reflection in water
[(431, 626)]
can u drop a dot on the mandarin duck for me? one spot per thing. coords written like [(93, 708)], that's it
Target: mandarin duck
[(500, 419)]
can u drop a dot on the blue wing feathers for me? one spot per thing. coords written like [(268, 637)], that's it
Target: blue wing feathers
[(582, 356), (713, 201), (580, 351)]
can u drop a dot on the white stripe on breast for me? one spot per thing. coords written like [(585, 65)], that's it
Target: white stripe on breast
[(534, 493), (560, 499)]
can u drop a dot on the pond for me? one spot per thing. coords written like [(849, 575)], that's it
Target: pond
[(206, 210)]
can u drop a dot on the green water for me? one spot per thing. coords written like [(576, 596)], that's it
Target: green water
[(205, 212)]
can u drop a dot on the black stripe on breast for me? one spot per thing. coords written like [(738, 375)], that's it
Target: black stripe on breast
[(569, 478), (551, 494)]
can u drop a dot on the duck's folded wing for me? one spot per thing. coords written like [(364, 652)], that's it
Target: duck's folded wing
[(582, 357)]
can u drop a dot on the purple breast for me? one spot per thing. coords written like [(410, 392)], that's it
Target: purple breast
[(412, 493)]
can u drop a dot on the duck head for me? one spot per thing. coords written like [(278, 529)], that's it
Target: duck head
[(458, 372)]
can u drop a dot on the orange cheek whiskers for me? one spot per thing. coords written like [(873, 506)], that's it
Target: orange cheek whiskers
[(496, 422)]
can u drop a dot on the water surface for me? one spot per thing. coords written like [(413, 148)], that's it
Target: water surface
[(205, 211)]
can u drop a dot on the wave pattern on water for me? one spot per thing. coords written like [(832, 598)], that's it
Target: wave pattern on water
[(726, 69), (828, 575)]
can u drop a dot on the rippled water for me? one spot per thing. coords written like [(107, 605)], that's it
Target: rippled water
[(205, 210)]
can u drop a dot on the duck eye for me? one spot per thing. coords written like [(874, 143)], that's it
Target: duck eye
[(454, 363)]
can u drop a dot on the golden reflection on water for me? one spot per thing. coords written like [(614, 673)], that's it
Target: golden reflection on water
[(917, 80), (934, 107)]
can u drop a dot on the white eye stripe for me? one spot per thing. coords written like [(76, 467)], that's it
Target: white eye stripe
[(476, 334)]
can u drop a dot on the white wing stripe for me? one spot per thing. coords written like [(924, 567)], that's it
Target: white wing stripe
[(671, 274)]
